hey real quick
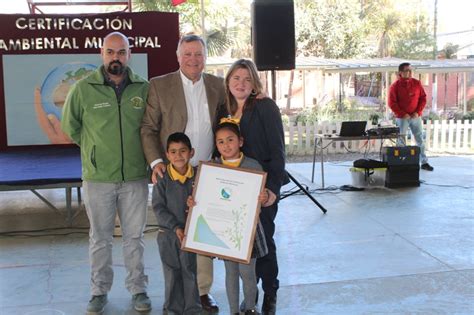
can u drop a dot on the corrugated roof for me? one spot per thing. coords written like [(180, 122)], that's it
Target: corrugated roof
[(365, 65)]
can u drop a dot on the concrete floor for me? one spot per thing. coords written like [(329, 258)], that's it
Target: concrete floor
[(377, 251)]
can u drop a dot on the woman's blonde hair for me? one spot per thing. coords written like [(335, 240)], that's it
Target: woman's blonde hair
[(257, 87)]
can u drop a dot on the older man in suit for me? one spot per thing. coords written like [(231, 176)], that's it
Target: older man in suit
[(185, 101)]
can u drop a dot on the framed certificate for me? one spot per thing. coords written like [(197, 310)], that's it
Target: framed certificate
[(223, 221)]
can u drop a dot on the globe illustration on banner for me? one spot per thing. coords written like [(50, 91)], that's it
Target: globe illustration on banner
[(57, 83)]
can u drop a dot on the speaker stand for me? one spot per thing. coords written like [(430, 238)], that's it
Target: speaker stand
[(304, 190), (274, 84), (300, 187)]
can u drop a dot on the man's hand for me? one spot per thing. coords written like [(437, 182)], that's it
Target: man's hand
[(414, 115), (158, 170), (49, 123), (406, 116), (180, 235)]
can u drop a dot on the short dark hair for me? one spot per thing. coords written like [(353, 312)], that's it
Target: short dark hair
[(403, 65), (178, 137), (229, 126)]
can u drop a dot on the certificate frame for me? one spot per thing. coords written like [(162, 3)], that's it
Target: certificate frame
[(223, 221)]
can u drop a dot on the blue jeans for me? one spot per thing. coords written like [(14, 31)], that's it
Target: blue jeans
[(416, 127), (103, 201)]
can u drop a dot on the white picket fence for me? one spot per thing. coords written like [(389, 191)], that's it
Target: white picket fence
[(441, 136)]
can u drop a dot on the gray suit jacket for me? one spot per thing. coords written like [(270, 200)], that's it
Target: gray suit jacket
[(166, 110)]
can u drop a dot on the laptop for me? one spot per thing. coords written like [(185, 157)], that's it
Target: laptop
[(352, 129)]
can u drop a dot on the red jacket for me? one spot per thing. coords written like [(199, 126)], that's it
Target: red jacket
[(406, 97)]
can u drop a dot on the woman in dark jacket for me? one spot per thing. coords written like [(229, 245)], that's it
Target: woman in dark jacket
[(262, 130)]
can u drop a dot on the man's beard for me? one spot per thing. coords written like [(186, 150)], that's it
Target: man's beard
[(115, 67)]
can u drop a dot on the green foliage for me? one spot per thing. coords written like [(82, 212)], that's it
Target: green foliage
[(374, 118), (383, 25), (328, 28), (433, 116), (324, 28), (307, 115), (399, 28), (417, 41), (285, 119), (347, 110), (223, 26), (470, 104), (468, 116)]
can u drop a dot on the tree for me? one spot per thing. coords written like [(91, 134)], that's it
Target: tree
[(223, 25), (449, 51), (328, 28), (416, 40), (397, 29)]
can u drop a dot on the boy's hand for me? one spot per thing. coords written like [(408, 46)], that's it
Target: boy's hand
[(190, 202), (158, 170), (180, 235)]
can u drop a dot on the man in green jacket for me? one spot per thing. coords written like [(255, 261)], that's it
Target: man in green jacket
[(102, 114)]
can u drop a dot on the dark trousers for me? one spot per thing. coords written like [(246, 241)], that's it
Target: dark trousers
[(267, 266), (179, 269)]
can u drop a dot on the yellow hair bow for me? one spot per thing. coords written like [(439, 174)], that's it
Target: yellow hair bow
[(229, 120)]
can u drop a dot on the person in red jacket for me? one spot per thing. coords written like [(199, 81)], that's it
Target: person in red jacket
[(407, 100)]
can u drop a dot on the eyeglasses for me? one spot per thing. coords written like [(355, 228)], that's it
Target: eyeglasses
[(407, 70)]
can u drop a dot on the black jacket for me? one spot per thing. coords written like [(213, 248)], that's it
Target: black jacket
[(264, 140)]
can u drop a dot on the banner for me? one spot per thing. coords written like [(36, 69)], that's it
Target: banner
[(41, 56)]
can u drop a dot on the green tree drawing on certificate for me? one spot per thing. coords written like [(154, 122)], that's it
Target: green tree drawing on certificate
[(234, 233)]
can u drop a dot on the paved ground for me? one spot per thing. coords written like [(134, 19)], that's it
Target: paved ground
[(377, 251)]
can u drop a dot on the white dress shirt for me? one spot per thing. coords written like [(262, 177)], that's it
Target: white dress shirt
[(199, 125)]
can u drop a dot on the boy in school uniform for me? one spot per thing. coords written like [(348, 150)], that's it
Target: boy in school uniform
[(169, 204)]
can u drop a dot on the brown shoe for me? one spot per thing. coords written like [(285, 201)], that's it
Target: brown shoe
[(209, 304)]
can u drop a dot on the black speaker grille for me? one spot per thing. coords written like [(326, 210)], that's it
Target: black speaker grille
[(273, 35)]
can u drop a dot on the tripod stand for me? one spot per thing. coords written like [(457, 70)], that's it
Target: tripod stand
[(304, 190), (301, 188)]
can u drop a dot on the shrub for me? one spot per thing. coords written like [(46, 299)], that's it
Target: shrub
[(432, 116), (470, 105), (468, 116), (285, 119), (330, 113)]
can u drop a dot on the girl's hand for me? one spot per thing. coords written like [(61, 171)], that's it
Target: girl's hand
[(270, 199), (263, 196)]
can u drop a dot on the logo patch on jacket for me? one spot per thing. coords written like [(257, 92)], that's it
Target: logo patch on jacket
[(137, 102)]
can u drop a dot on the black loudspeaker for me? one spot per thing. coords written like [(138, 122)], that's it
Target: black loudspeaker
[(273, 34)]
